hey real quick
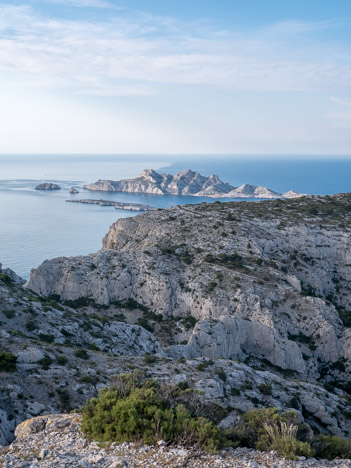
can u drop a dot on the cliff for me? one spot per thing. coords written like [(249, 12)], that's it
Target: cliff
[(266, 281), (247, 302), (266, 284), (185, 183)]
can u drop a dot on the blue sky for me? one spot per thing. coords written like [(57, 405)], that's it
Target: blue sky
[(149, 76)]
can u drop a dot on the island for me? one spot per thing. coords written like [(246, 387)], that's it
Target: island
[(73, 190), (48, 186), (117, 205), (188, 183)]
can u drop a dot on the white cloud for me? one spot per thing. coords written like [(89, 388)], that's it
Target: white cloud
[(83, 3), (126, 53), (343, 102)]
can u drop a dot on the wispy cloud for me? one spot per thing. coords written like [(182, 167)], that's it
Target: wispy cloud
[(343, 102), (83, 3), (129, 54)]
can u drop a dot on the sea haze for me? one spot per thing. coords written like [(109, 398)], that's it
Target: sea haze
[(35, 226)]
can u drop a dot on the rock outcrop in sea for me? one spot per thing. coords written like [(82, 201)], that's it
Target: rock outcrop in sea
[(48, 186), (73, 190), (186, 183), (116, 204)]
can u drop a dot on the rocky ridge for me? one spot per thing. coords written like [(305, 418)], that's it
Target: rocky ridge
[(275, 286), (186, 183), (56, 440)]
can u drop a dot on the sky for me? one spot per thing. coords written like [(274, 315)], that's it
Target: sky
[(175, 76)]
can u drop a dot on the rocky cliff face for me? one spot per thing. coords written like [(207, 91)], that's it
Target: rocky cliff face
[(185, 183), (266, 281), (53, 358), (248, 302)]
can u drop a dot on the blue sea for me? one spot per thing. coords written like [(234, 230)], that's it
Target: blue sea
[(35, 226)]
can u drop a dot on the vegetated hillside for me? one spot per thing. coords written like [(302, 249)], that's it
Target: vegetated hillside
[(247, 302), (54, 358), (260, 281)]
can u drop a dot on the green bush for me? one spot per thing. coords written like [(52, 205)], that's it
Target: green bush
[(45, 362), (82, 354), (139, 412), (6, 279), (133, 410), (221, 374), (330, 447), (282, 438), (266, 429), (266, 389), (7, 362), (61, 360)]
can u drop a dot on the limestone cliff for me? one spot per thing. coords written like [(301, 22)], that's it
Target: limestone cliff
[(185, 183), (261, 281)]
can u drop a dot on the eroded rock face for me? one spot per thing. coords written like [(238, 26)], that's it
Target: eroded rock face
[(262, 280), (53, 358), (235, 338)]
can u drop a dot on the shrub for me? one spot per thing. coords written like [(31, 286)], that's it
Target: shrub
[(6, 279), (330, 447), (252, 432), (31, 326), (81, 353), (142, 414), (149, 358), (282, 439), (7, 362), (266, 389), (9, 314), (47, 338), (221, 374), (45, 362), (61, 360)]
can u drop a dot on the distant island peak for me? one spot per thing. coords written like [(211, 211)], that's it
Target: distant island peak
[(186, 183)]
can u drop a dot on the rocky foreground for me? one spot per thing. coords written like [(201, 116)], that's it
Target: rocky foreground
[(186, 183), (56, 441)]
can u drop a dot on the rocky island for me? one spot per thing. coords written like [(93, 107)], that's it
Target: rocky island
[(48, 186), (246, 303), (73, 190), (186, 183), (117, 205)]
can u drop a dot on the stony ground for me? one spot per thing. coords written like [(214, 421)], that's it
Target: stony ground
[(56, 441)]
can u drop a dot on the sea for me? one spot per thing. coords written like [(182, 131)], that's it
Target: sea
[(39, 225)]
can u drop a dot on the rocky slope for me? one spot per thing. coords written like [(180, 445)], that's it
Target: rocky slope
[(185, 183), (247, 302), (56, 440), (262, 281)]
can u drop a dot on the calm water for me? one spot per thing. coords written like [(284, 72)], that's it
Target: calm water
[(36, 225)]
